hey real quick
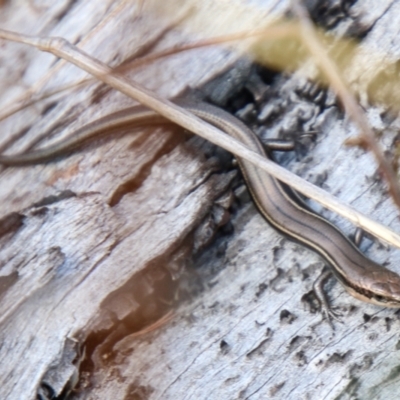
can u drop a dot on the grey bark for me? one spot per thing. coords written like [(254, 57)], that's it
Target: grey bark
[(98, 245)]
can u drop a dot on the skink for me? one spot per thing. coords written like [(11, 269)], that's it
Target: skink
[(361, 277)]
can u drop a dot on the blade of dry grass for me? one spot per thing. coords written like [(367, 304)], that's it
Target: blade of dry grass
[(29, 97), (62, 48), (339, 86)]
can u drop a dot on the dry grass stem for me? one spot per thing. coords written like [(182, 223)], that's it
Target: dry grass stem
[(351, 106), (62, 48), (30, 97)]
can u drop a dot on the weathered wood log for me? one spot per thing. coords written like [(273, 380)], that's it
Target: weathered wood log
[(96, 247)]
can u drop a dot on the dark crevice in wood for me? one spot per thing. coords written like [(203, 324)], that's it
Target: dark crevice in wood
[(330, 13), (134, 184), (65, 194), (144, 49), (165, 282), (11, 223), (65, 10), (48, 108), (7, 281), (142, 301), (99, 93), (136, 391)]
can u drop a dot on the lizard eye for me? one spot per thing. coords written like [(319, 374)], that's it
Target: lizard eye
[(379, 298)]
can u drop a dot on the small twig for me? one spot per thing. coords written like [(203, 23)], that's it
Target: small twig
[(61, 48), (274, 32), (29, 99), (339, 86), (25, 100), (18, 106)]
